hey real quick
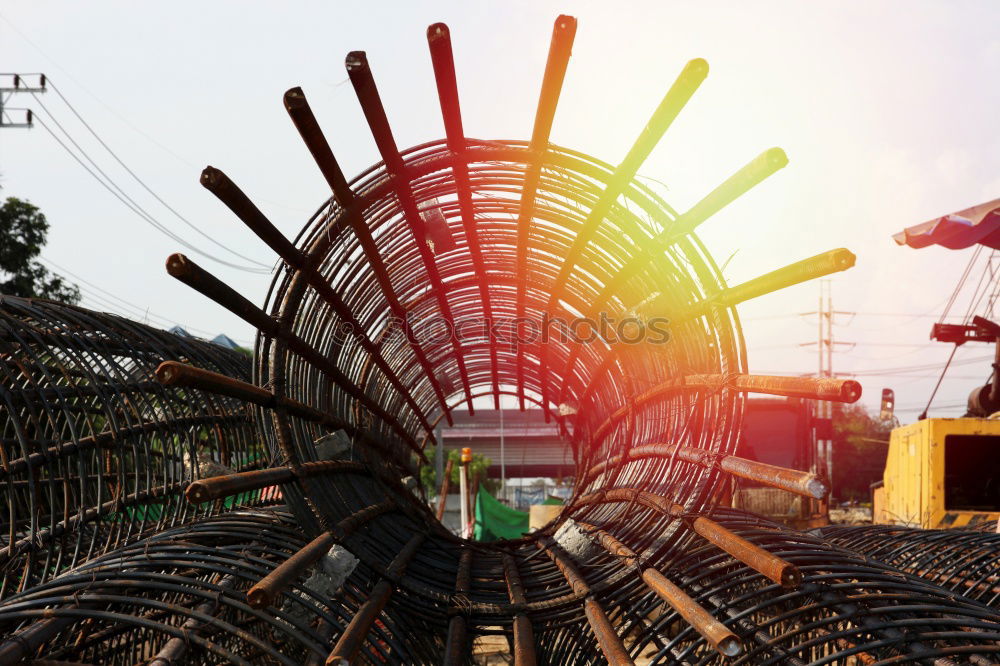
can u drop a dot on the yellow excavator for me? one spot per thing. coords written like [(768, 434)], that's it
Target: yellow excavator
[(945, 472)]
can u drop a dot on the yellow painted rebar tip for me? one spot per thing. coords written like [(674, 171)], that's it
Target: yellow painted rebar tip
[(696, 69), (776, 157), (844, 258)]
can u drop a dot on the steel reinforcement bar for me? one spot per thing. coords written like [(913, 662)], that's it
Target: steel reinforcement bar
[(444, 277), (95, 451), (965, 562)]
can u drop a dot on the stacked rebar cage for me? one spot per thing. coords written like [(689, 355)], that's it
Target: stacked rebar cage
[(96, 451), (350, 382)]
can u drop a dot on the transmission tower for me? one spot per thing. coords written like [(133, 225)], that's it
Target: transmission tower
[(825, 344)]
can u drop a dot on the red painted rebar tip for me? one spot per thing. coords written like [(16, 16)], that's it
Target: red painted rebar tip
[(436, 31)]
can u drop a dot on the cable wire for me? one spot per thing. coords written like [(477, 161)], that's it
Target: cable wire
[(135, 208), (131, 309), (139, 180), (923, 414)]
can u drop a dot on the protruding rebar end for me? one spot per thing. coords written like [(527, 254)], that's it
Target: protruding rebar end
[(730, 646), (212, 178), (166, 373), (258, 598), (695, 70), (196, 493), (850, 391), (178, 265), (437, 31), (294, 98), (844, 258), (565, 22), (817, 488), (791, 577), (356, 61), (776, 158)]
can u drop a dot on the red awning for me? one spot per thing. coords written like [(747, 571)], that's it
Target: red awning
[(979, 224)]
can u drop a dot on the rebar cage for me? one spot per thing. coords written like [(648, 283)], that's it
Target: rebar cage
[(95, 450), (491, 242)]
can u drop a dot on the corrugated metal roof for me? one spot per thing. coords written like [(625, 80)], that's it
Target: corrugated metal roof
[(531, 446)]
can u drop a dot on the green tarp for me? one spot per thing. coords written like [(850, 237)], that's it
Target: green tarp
[(155, 511), (495, 520)]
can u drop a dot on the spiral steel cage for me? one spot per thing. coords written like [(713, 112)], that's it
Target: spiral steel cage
[(94, 450), (373, 334), (180, 596), (177, 596), (459, 369), (847, 609), (965, 562)]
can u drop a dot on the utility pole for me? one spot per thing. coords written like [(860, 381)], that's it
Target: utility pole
[(438, 455), (503, 461), (466, 507), (825, 345), (12, 84)]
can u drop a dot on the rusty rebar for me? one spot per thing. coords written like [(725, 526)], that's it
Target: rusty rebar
[(347, 381), (93, 451), (356, 632)]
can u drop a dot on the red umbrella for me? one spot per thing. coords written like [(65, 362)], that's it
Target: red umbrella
[(979, 224)]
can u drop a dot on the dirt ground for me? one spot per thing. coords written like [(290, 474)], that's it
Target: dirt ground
[(855, 515)]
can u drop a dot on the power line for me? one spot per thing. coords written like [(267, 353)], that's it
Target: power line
[(122, 118), (135, 308), (146, 317), (769, 317), (796, 315), (920, 368), (130, 204), (122, 305), (961, 281), (888, 357), (895, 344), (944, 371), (934, 376), (903, 370), (94, 299), (140, 181), (89, 92), (953, 405)]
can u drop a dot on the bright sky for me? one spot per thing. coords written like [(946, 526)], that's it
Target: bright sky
[(887, 110)]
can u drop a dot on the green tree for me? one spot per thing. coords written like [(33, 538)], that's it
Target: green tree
[(479, 465), (23, 230), (860, 445)]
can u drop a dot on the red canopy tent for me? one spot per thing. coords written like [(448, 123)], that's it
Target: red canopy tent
[(979, 224)]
